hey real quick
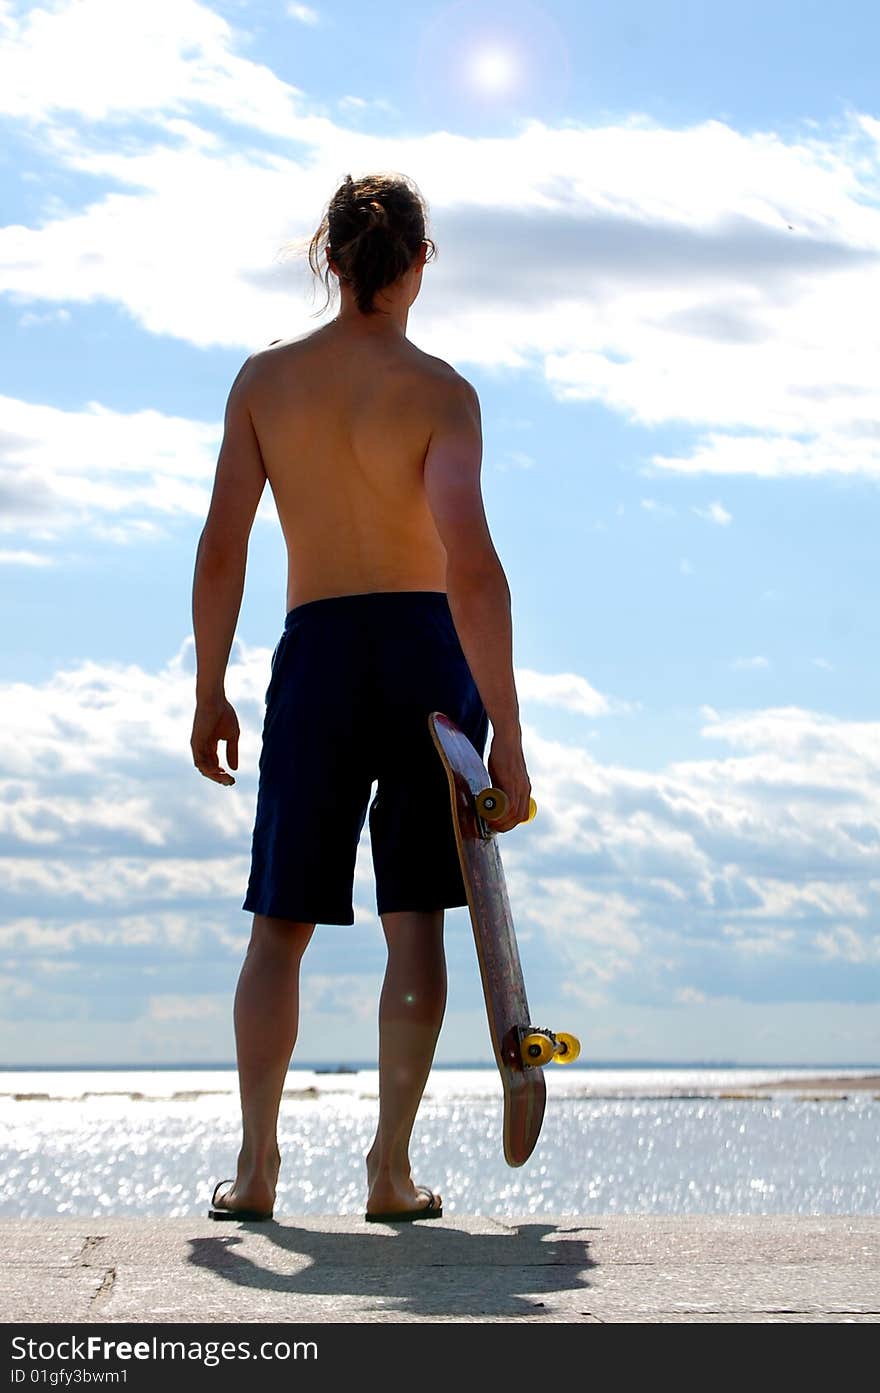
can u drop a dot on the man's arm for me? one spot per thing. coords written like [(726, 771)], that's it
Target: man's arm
[(476, 586), (218, 583)]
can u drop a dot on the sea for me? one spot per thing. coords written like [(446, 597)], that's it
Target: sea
[(642, 1139)]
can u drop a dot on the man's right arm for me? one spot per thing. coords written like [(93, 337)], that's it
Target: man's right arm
[(476, 586)]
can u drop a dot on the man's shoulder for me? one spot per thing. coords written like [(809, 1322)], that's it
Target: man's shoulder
[(263, 363), (449, 383), (270, 350)]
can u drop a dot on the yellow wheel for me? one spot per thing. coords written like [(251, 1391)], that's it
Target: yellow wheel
[(569, 1048), (536, 1048), (492, 804)]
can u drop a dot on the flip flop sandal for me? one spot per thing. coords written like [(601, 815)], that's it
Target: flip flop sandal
[(241, 1214), (431, 1210)]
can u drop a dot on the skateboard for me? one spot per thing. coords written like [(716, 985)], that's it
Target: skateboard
[(520, 1048)]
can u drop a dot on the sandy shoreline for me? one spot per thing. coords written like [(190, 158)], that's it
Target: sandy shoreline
[(848, 1083)]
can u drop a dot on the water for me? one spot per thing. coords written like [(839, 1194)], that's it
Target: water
[(651, 1141)]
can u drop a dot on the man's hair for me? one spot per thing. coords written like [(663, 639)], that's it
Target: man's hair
[(373, 228)]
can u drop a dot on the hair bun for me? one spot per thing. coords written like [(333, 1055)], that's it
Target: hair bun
[(376, 212), (373, 229)]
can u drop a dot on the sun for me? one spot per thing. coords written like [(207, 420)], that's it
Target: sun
[(493, 70)]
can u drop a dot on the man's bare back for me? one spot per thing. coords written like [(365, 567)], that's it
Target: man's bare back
[(343, 422)]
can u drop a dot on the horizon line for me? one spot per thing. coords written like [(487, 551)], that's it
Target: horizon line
[(357, 1064)]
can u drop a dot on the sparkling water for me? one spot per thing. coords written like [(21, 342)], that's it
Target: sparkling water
[(651, 1141)]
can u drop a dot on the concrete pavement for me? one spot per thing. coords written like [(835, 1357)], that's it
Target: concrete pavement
[(589, 1269)]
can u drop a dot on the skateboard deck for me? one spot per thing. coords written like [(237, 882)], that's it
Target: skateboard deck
[(514, 1039)]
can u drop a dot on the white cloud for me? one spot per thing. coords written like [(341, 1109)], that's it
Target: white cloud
[(844, 942), (345, 995), (95, 717), (364, 104), (715, 512), (645, 236), (177, 930), (187, 1008), (745, 663), (124, 880), (830, 451), (518, 458), (122, 476), (304, 13), (689, 996), (566, 690), (30, 320), (100, 59), (26, 558), (677, 878), (61, 469), (593, 934), (751, 942)]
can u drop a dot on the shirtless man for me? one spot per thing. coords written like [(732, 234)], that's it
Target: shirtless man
[(397, 605)]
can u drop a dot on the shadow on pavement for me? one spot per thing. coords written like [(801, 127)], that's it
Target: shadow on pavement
[(416, 1269)]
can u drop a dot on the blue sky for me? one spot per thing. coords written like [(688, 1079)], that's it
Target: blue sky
[(659, 263)]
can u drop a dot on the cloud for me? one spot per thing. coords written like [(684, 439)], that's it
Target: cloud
[(304, 13), (26, 558), (845, 942), (351, 103), (660, 272), (830, 451), (632, 885), (715, 512), (187, 1008), (348, 996), (102, 60), (62, 469), (565, 690), (30, 320), (121, 476)]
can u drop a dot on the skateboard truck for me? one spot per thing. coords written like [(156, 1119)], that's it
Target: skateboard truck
[(492, 805), (537, 1046)]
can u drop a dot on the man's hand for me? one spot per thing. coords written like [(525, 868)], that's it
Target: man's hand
[(507, 770), (215, 721)]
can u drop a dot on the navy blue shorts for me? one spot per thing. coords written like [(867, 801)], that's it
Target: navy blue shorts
[(353, 680)]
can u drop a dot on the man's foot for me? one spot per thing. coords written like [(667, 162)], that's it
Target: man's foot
[(397, 1195), (220, 1210), (430, 1207), (252, 1193)]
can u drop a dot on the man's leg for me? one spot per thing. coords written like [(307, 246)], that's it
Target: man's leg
[(266, 1015), (410, 1015)]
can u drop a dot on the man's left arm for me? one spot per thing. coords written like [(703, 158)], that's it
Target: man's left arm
[(218, 583)]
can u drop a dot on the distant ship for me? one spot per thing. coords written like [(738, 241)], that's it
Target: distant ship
[(337, 1069)]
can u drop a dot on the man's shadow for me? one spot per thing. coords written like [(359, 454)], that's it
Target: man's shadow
[(419, 1269)]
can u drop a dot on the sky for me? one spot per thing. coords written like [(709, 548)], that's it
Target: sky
[(658, 235)]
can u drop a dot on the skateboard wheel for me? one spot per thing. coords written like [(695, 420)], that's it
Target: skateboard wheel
[(536, 1049), (568, 1047), (492, 804)]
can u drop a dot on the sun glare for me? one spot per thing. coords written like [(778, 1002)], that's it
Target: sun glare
[(493, 70)]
